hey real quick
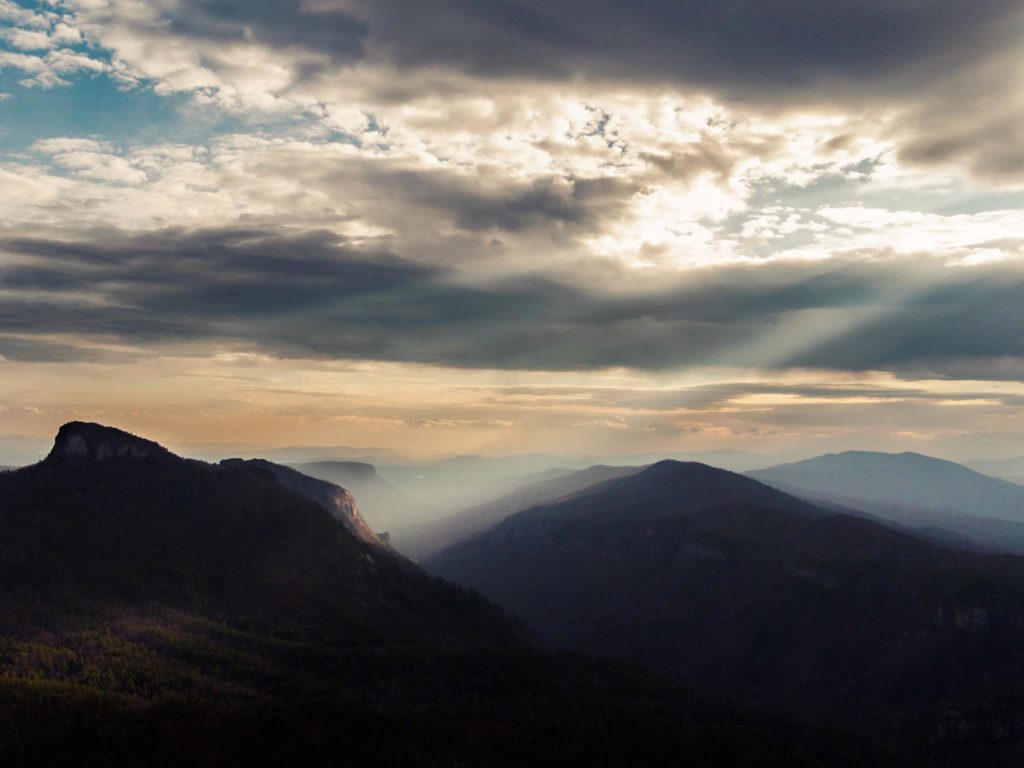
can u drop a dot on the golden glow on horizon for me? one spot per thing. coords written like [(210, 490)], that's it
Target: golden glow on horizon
[(242, 398)]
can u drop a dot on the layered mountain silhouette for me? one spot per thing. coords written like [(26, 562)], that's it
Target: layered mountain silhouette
[(728, 583), (382, 503), (938, 497), (108, 515), (161, 611), (426, 539)]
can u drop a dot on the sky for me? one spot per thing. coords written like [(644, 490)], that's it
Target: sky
[(507, 226)]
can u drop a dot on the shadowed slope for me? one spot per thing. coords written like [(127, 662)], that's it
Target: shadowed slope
[(335, 499), (734, 585), (160, 611), (111, 516)]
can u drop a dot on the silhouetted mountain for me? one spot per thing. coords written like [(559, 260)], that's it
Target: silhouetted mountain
[(108, 515), (424, 540), (913, 490), (728, 583), (383, 505), (161, 611)]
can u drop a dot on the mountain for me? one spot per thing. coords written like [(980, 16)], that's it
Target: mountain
[(444, 486), (109, 516), (732, 585), (383, 505), (913, 490), (157, 611), (426, 539), (335, 499)]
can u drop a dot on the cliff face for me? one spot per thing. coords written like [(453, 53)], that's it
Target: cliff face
[(382, 504), (335, 499)]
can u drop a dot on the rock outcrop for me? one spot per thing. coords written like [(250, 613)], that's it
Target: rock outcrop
[(335, 499), (84, 441)]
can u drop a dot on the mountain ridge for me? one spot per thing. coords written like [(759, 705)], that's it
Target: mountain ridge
[(156, 610), (911, 489), (726, 582)]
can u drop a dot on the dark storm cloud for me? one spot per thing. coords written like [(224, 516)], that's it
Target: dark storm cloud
[(318, 296), (470, 202), (732, 43), (546, 203), (974, 317), (335, 34), (29, 350)]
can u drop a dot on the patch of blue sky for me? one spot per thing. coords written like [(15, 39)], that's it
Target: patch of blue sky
[(91, 107), (98, 107), (946, 195)]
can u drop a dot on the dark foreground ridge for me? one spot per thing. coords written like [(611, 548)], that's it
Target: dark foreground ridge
[(161, 611)]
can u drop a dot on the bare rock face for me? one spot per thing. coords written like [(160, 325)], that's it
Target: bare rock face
[(80, 441), (335, 499)]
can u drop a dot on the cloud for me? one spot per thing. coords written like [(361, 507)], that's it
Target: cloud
[(318, 296), (91, 159), (52, 69), (737, 46), (27, 40), (906, 60), (732, 44), (284, 24), (16, 14)]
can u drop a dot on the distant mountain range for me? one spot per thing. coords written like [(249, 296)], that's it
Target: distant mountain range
[(939, 498), (158, 611), (730, 584), (426, 539)]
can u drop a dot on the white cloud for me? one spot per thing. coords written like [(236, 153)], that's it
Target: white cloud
[(16, 14), (58, 145), (91, 159), (50, 70), (28, 40), (65, 34)]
